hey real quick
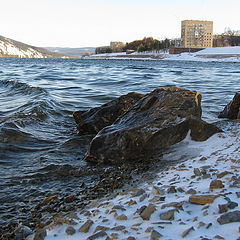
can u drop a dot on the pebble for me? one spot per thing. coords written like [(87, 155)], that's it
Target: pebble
[(232, 205), (97, 235), (121, 217), (40, 234), (197, 172), (223, 174), (187, 231), (118, 228), (202, 199), (147, 212), (222, 208), (168, 215), (155, 235), (143, 197), (157, 191), (219, 237), (191, 191), (70, 230), (101, 228), (86, 226), (216, 184), (171, 189)]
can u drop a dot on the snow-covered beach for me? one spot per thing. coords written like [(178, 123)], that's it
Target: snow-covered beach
[(216, 54), (196, 199)]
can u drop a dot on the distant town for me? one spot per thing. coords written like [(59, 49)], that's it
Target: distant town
[(195, 36)]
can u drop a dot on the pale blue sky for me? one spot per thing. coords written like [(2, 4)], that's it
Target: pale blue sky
[(78, 23)]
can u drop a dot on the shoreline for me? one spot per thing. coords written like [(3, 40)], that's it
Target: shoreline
[(165, 201)]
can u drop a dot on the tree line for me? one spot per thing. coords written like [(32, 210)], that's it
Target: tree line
[(146, 44), (228, 38)]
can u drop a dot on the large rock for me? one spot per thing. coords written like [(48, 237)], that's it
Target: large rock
[(232, 110), (92, 121), (158, 120)]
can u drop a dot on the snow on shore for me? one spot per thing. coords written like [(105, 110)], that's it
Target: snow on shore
[(164, 208), (217, 54)]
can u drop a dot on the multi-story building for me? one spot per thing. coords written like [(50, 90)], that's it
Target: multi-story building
[(197, 33)]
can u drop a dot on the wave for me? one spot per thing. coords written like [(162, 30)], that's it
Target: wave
[(17, 87)]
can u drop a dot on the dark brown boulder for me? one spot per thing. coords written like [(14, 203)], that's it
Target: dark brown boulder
[(92, 121), (156, 121), (232, 110)]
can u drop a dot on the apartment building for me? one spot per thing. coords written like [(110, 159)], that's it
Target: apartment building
[(196, 33)]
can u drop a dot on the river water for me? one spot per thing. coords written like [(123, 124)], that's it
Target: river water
[(40, 150)]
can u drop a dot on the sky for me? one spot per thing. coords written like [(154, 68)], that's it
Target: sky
[(93, 23)]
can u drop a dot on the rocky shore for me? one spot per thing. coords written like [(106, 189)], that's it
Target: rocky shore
[(196, 199), (138, 195)]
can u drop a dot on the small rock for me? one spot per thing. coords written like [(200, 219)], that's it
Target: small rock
[(177, 205), (187, 231), (70, 230), (229, 217), (194, 219), (197, 172), (171, 189), (22, 232), (118, 228), (191, 191), (121, 217), (219, 237), (155, 235), (232, 205), (131, 238), (201, 224), (147, 212), (101, 228), (143, 197), (85, 227), (205, 176), (40, 234), (203, 159), (202, 199), (156, 199), (97, 235), (140, 210), (157, 191), (222, 208), (149, 229), (119, 207), (209, 225), (138, 193), (113, 236), (168, 215), (238, 194), (49, 199), (181, 190), (205, 213), (59, 220), (131, 202), (216, 184), (222, 174)]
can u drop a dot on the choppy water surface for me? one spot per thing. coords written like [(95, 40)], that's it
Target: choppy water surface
[(40, 151)]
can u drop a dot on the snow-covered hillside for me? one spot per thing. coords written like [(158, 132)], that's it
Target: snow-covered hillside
[(11, 48)]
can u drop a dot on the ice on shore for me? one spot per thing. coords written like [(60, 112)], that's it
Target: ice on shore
[(216, 54)]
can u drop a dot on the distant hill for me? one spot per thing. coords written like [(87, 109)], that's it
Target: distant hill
[(79, 52), (12, 48)]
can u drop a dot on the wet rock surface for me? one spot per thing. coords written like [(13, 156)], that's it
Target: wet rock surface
[(94, 120), (156, 121), (232, 110)]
